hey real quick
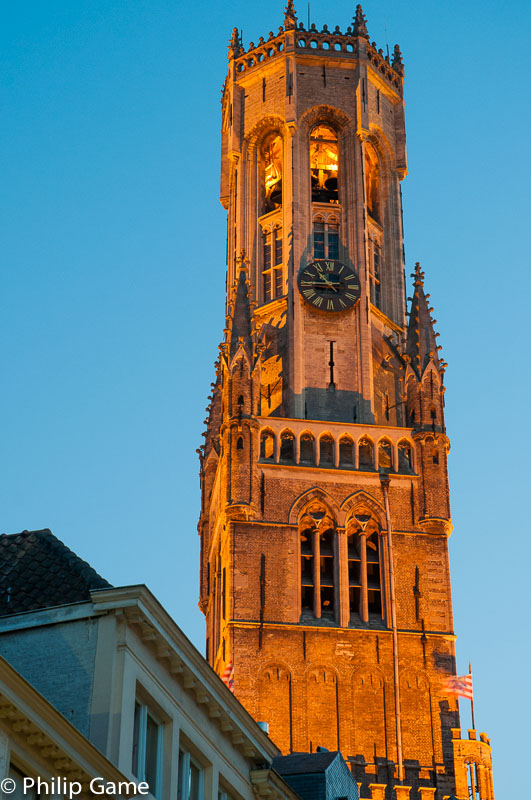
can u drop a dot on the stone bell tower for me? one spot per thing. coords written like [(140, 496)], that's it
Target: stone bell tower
[(325, 507)]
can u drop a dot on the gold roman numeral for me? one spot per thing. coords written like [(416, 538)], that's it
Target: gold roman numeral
[(330, 305), (318, 301)]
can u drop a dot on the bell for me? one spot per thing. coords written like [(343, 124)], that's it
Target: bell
[(275, 195)]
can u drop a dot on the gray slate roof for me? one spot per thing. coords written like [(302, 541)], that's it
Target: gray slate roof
[(38, 571)]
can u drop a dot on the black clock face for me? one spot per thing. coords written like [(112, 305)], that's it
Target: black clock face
[(329, 285)]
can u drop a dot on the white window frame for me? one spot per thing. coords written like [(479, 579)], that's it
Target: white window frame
[(184, 772), (139, 768)]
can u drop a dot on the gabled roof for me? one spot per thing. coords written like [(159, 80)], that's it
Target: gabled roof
[(38, 571), (304, 763)]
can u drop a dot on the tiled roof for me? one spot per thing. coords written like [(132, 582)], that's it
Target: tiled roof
[(308, 763), (38, 571)]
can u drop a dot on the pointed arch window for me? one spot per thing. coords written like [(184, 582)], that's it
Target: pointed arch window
[(366, 454), (272, 164), (385, 455), (375, 272), (287, 446), (267, 445), (306, 449), (326, 451), (405, 456), (324, 165), (346, 452), (372, 183)]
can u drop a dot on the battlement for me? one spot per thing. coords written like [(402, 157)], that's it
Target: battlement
[(473, 765), (295, 38)]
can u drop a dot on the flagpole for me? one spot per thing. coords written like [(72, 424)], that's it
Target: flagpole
[(472, 699)]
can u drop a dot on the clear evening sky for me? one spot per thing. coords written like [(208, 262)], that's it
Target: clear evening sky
[(112, 279)]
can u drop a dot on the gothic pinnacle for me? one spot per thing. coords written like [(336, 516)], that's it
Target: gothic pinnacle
[(397, 63), (290, 18), (421, 338), (235, 45), (360, 23)]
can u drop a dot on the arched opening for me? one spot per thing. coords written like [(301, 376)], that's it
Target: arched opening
[(267, 445), (326, 451), (405, 456), (473, 780), (346, 452), (272, 165), (366, 453), (324, 165), (385, 455), (239, 443), (372, 183), (307, 449), (287, 450)]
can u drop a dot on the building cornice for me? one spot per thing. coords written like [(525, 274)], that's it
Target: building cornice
[(172, 648), (28, 715)]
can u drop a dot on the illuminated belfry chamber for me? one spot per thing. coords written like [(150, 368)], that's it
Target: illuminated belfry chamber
[(325, 508)]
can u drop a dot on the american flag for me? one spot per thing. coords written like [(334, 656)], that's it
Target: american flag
[(228, 676), (460, 685)]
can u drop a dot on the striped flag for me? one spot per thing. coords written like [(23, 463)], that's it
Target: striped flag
[(460, 685), (228, 676)]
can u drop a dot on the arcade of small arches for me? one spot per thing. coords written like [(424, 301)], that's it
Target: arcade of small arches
[(340, 452)]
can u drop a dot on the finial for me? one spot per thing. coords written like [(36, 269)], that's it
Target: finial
[(397, 62), (360, 23), (235, 45), (418, 275), (290, 18)]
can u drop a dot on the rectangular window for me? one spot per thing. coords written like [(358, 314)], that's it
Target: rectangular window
[(267, 251), (267, 287), (278, 282), (147, 748), (278, 246), (375, 262), (319, 240), (190, 779), (333, 241), (326, 240), (272, 273)]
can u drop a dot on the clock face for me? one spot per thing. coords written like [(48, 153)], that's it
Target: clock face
[(329, 285)]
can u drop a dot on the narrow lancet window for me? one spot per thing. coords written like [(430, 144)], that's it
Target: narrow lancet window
[(324, 164), (372, 183), (272, 159)]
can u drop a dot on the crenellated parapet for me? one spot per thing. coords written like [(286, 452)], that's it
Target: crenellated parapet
[(294, 37), (472, 765)]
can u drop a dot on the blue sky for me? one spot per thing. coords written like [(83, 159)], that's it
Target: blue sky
[(112, 279)]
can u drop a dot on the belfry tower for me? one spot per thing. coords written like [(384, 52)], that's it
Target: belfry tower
[(325, 507)]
